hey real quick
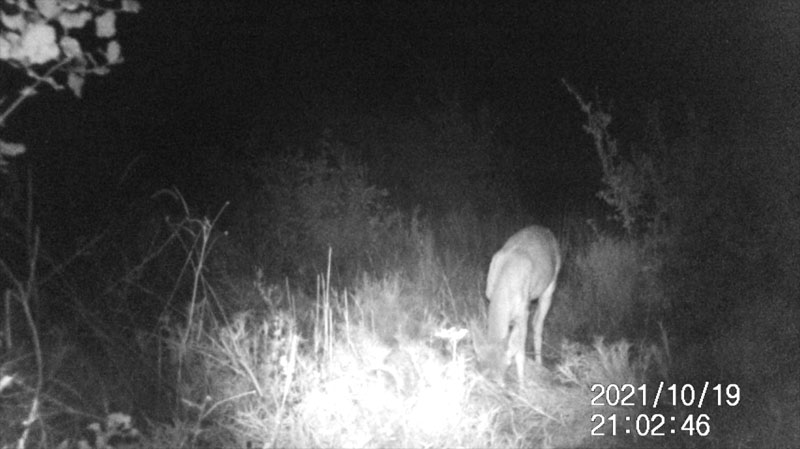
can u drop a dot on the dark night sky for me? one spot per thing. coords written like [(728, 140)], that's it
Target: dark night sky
[(202, 77)]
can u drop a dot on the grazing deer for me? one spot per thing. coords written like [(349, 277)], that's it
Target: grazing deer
[(524, 269)]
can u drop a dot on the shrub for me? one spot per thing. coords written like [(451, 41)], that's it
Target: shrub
[(309, 202)]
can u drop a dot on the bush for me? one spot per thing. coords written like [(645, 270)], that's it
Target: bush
[(307, 203)]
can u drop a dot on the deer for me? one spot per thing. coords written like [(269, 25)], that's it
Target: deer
[(523, 270)]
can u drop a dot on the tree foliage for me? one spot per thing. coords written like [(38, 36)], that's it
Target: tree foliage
[(57, 43)]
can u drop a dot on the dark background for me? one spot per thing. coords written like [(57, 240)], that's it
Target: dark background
[(209, 86)]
